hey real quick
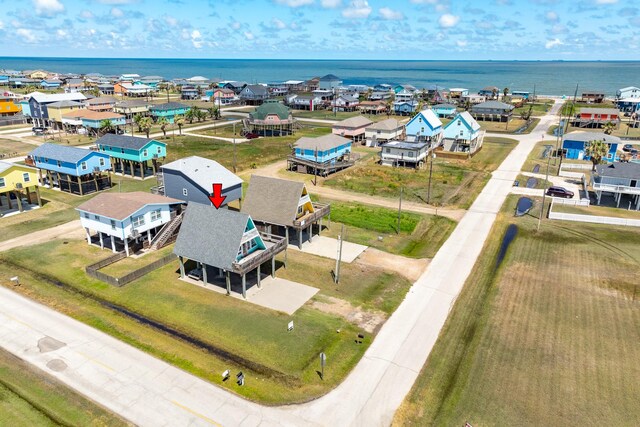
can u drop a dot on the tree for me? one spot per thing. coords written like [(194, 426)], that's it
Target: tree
[(137, 118), (608, 128), (145, 125), (106, 126), (494, 93), (201, 115), (192, 114), (163, 122), (505, 92), (596, 150), (95, 92), (214, 112), (179, 121), (467, 105)]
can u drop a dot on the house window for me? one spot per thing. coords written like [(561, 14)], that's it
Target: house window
[(101, 162), (59, 163), (459, 122), (2, 184), (300, 210), (113, 224), (410, 153), (96, 217), (122, 150), (145, 153), (25, 177), (137, 221), (83, 166), (86, 215), (159, 150), (185, 192), (388, 150), (156, 215)]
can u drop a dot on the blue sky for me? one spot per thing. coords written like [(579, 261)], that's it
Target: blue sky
[(323, 29)]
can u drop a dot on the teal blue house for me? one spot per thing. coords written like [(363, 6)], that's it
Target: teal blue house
[(444, 110), (131, 155), (323, 149), (425, 126), (463, 134), (169, 110)]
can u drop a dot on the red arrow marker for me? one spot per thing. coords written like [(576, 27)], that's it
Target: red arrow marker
[(217, 197)]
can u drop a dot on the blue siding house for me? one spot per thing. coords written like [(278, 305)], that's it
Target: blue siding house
[(444, 110), (132, 155), (169, 110), (322, 155), (574, 144), (425, 126), (405, 108), (72, 169), (463, 134)]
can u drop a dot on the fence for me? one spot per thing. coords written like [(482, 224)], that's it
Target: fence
[(579, 175), (92, 270), (595, 219)]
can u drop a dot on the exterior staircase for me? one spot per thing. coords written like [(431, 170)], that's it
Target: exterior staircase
[(166, 233)]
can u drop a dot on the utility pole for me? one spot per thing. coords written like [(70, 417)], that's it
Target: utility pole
[(339, 257), (234, 147), (431, 156), (573, 103), (558, 132), (399, 210), (544, 194)]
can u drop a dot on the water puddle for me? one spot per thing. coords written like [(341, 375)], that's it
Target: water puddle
[(48, 344), (532, 182), (509, 235)]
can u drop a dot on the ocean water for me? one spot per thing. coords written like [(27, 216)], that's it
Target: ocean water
[(548, 77)]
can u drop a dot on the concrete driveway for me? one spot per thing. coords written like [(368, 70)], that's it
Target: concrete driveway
[(327, 247)]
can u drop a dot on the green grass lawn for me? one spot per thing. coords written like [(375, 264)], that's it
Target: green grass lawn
[(59, 207), (622, 130), (538, 109), (542, 183), (507, 127), (131, 264), (597, 211), (420, 235), (550, 337), (280, 365), (455, 182), (536, 158), (31, 397), (11, 148)]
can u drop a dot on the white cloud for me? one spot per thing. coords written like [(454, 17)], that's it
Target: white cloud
[(86, 14), (48, 7), (236, 25), (424, 1), (606, 1), (390, 14), (330, 4), (27, 35), (276, 23), (357, 9), (1, 25), (294, 3), (196, 39), (249, 35), (553, 43), (117, 13), (171, 21), (461, 43), (447, 20), (551, 16), (117, 1)]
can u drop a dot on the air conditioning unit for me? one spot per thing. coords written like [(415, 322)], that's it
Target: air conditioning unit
[(135, 233)]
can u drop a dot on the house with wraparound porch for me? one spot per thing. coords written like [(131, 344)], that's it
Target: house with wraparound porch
[(620, 179), (132, 155)]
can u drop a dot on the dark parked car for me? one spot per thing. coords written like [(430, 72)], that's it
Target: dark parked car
[(627, 147), (559, 192), (251, 135)]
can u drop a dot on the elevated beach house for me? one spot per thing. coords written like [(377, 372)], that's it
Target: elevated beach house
[(492, 111), (168, 110), (132, 155), (58, 109), (596, 117), (121, 220), (272, 118), (593, 96), (384, 131), (574, 144), (463, 134), (74, 170), (102, 103), (39, 102), (405, 108), (329, 82), (444, 110), (458, 92), (191, 180), (221, 243), (405, 153), (345, 102), (425, 127), (131, 107), (283, 207), (254, 94), (373, 107), (15, 181), (321, 155), (628, 92), (353, 128), (93, 120), (620, 180)]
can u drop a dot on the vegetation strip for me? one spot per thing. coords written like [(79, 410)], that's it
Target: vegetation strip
[(210, 348)]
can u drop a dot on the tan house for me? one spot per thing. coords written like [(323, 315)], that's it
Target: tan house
[(38, 75), (58, 109), (353, 128), (373, 107), (103, 103), (384, 131)]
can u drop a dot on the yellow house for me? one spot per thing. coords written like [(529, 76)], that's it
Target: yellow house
[(38, 74), (8, 107), (19, 181), (58, 109)]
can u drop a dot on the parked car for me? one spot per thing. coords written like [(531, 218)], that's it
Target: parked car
[(559, 192), (195, 274), (627, 147), (251, 135)]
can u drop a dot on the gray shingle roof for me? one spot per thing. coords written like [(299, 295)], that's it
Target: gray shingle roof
[(62, 152), (272, 200), (62, 104), (168, 106), (211, 236), (591, 136), (329, 77), (256, 89), (599, 111), (123, 205), (619, 170), (354, 122), (204, 172), (125, 141), (322, 143), (493, 105)]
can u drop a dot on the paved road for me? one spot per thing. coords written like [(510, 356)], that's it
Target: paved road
[(68, 230), (150, 392)]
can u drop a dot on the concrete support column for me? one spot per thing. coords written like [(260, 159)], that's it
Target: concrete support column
[(80, 185), (273, 266), (88, 235), (259, 275), (113, 244), (244, 286), (300, 239), (28, 195), (228, 283), (149, 236), (126, 246), (101, 241), (142, 170), (132, 169), (19, 200), (310, 232), (286, 232), (38, 196), (220, 274), (181, 260), (204, 273)]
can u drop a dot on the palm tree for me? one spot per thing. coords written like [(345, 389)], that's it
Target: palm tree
[(201, 115), (179, 121), (596, 150), (505, 92), (608, 128), (137, 118), (214, 112), (494, 93), (467, 105), (106, 126), (192, 114), (145, 125), (95, 92), (163, 122)]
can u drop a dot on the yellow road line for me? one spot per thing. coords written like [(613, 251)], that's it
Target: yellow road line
[(97, 362), (191, 411)]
